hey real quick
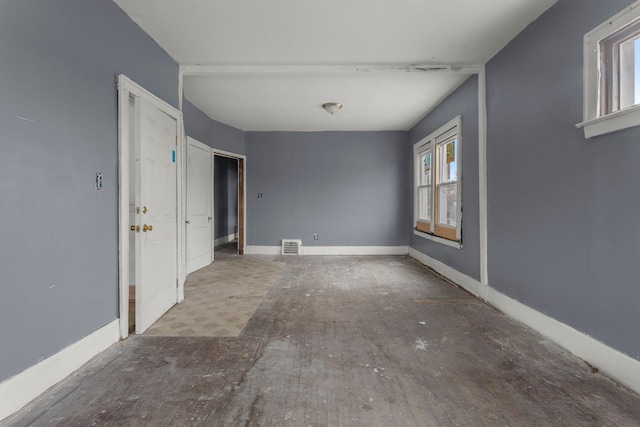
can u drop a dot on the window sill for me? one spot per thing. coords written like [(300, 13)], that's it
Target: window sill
[(623, 119), (437, 239)]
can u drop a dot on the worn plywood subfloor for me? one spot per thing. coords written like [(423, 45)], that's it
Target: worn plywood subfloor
[(345, 341), (220, 298)]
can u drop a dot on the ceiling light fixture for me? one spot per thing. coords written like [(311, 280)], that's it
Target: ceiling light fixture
[(332, 107)]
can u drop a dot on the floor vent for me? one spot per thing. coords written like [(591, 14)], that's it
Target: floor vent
[(291, 246)]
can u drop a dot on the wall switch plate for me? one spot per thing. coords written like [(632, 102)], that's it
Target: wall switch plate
[(98, 181), (315, 236)]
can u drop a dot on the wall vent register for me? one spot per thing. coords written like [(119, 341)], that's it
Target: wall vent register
[(291, 246)]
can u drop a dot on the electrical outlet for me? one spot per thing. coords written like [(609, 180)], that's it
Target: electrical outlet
[(315, 236), (259, 195), (98, 181)]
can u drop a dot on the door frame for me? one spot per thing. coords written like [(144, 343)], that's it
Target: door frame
[(242, 200), (127, 88)]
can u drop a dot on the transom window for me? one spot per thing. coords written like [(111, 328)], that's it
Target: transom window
[(438, 204)]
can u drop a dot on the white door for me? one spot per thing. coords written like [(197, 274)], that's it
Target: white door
[(199, 205), (156, 214)]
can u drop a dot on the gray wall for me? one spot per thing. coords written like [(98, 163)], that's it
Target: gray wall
[(463, 101), (58, 115), (564, 235), (227, 138), (211, 132), (349, 187), (196, 123), (225, 196)]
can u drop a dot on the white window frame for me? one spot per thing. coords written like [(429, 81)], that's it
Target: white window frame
[(430, 142), (419, 185), (594, 122)]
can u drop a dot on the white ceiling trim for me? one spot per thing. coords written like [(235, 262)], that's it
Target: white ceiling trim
[(227, 70)]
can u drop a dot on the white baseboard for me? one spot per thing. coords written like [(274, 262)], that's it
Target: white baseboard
[(354, 250), (613, 363), (225, 239), (470, 284), (263, 250), (610, 361), (333, 250), (19, 390)]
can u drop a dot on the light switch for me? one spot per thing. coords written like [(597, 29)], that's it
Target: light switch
[(98, 181)]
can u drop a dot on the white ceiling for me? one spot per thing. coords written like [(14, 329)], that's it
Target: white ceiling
[(267, 65)]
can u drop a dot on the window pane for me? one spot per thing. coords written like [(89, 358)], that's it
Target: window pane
[(424, 203), (425, 168), (620, 55), (447, 204), (628, 75), (448, 161), (636, 66), (436, 188)]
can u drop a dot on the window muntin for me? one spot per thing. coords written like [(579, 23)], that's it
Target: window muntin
[(437, 184)]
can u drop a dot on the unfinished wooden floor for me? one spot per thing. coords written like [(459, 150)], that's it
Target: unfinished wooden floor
[(344, 341)]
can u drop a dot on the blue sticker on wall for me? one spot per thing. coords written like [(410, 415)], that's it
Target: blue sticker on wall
[(173, 156)]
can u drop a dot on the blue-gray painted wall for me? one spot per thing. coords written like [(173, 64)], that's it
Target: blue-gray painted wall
[(564, 235), (225, 196), (227, 138), (211, 132), (349, 187), (197, 124), (58, 115), (464, 102)]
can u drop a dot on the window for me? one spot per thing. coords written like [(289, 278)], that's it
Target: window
[(618, 56), (438, 205), (612, 74)]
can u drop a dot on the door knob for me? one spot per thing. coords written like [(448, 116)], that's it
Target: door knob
[(147, 227), (144, 210), (210, 219), (135, 228), (188, 221)]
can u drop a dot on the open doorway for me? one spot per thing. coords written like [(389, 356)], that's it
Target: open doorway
[(229, 202)]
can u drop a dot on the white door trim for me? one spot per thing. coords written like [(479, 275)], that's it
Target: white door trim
[(242, 157), (127, 87), (228, 154)]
